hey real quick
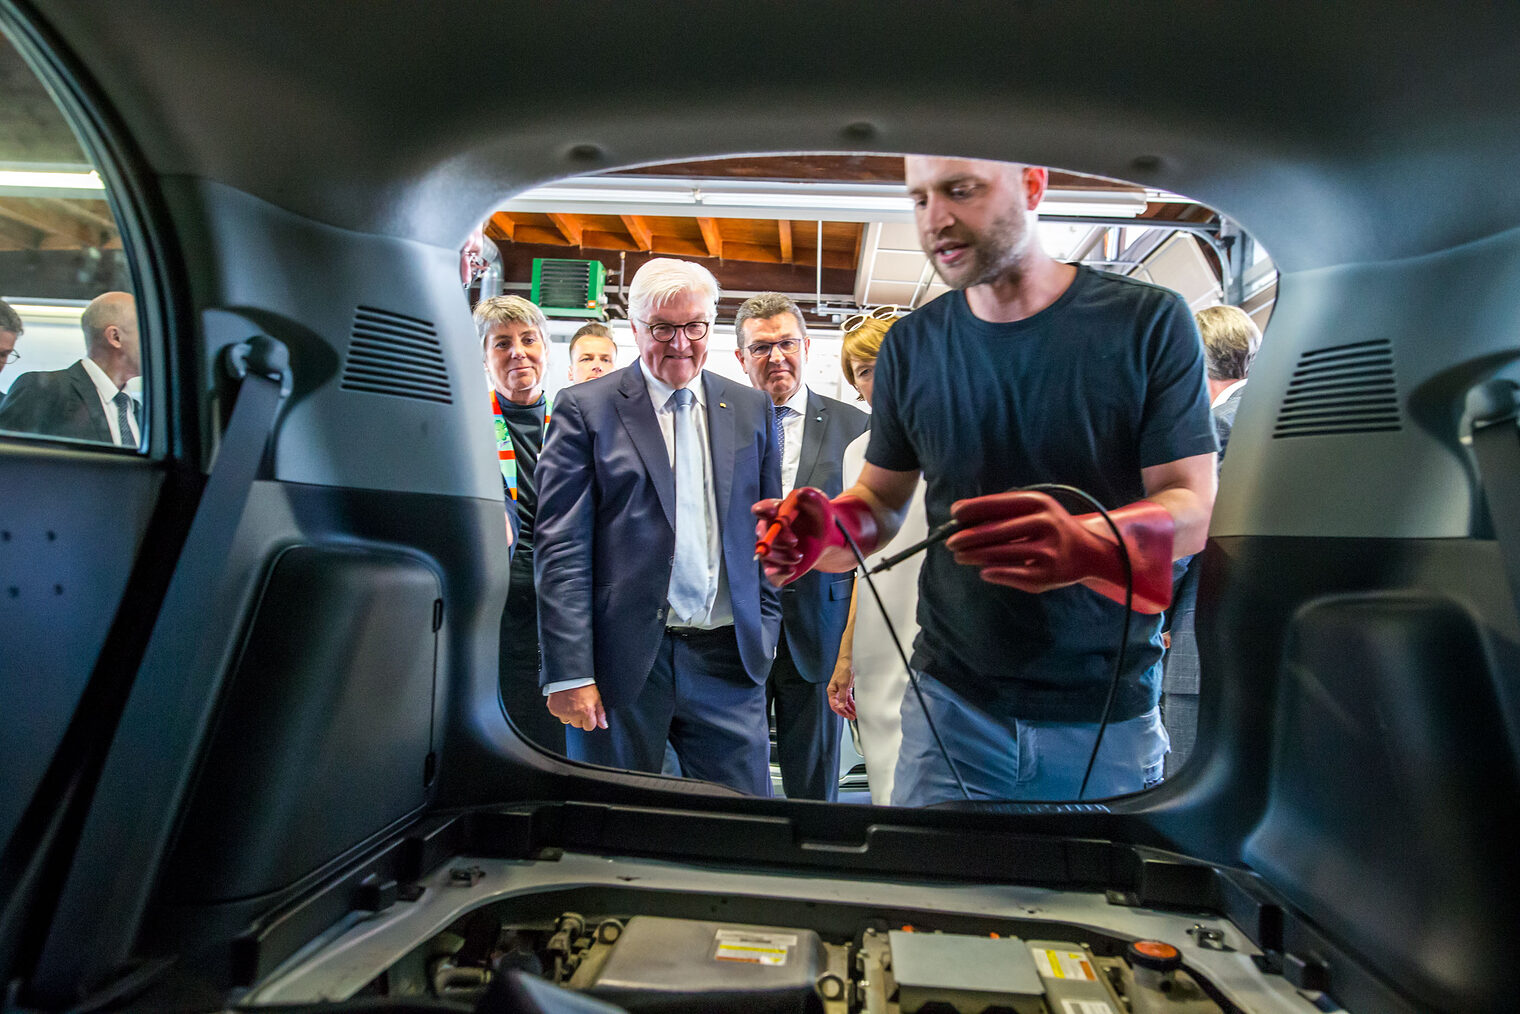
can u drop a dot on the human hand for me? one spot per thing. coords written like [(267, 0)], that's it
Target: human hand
[(792, 534), (1026, 540), (580, 707), (842, 689)]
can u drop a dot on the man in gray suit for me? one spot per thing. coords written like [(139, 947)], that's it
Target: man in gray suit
[(1230, 343), (813, 432), (655, 621), (86, 401)]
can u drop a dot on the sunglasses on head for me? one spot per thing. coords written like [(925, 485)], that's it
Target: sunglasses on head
[(888, 311)]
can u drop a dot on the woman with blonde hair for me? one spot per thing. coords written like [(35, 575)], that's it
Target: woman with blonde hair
[(869, 679)]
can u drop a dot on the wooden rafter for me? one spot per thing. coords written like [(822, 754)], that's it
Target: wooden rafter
[(638, 229), (91, 212), (712, 235), (570, 226), (58, 231), (502, 226), (784, 228)]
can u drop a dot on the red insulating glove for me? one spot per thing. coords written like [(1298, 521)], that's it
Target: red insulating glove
[(1027, 540), (793, 533)]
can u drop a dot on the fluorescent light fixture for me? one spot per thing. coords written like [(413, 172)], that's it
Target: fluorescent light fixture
[(862, 202), (609, 195), (47, 310), (29, 179)]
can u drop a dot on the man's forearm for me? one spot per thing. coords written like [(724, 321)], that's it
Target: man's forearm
[(1190, 513), (888, 523)]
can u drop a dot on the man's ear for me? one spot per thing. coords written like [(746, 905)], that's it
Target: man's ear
[(1036, 178)]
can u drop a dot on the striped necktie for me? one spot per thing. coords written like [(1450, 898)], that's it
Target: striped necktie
[(123, 403), (783, 413)]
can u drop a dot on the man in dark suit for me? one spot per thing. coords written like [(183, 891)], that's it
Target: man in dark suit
[(86, 401), (1230, 343), (813, 432), (10, 329), (656, 622)]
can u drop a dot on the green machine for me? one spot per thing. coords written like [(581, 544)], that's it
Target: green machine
[(569, 288)]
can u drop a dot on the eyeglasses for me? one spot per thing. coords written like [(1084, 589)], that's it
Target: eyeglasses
[(694, 330), (761, 350), (888, 311), (12, 356)]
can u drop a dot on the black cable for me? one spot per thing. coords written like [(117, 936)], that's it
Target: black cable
[(939, 534), (912, 676), (1129, 599)]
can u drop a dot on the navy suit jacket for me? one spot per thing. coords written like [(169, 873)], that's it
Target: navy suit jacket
[(56, 403), (816, 607), (605, 539)]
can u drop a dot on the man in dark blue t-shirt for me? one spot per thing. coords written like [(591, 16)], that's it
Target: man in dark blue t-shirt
[(1031, 371)]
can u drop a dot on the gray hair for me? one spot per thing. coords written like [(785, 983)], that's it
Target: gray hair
[(507, 310), (763, 307), (665, 278), (1230, 341), (10, 320)]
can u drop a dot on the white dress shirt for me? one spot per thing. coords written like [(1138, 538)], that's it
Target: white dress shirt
[(793, 428), (107, 389), (1220, 400), (720, 609)]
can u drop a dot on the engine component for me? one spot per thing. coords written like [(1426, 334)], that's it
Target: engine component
[(968, 973), (1072, 978), (664, 965)]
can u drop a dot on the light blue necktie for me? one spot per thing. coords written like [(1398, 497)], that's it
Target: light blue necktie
[(688, 576)]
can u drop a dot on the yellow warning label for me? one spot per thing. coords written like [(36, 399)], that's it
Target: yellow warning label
[(753, 948), (1055, 964)]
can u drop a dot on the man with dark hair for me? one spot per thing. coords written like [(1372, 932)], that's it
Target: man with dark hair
[(10, 329), (592, 352), (88, 400), (813, 432), (1029, 372)]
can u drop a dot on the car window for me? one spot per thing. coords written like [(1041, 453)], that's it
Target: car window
[(71, 357)]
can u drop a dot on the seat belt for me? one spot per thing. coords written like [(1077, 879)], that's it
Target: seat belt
[(1495, 410), (144, 777)]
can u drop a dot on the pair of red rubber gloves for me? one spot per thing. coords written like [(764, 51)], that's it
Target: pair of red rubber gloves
[(1023, 539)]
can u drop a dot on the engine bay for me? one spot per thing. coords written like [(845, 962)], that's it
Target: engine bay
[(649, 936)]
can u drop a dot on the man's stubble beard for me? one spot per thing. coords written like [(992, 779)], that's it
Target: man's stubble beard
[(998, 254)]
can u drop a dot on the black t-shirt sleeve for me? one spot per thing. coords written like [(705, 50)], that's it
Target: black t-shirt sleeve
[(890, 447), (1177, 422)]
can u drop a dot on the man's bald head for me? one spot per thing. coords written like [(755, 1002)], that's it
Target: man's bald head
[(110, 335)]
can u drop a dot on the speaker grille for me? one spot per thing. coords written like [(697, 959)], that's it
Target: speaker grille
[(1341, 389), (391, 353)]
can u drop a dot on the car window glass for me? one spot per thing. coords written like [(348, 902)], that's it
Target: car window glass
[(71, 355)]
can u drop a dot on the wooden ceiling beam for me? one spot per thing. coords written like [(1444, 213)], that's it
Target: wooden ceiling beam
[(502, 226), (90, 211), (638, 229), (784, 228), (570, 226), (596, 239), (538, 234), (750, 252), (50, 223), (712, 235)]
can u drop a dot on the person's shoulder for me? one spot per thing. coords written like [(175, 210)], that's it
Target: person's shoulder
[(844, 409), (591, 392), (1098, 283), (39, 382), (734, 392)]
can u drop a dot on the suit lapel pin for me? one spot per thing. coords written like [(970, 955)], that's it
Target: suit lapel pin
[(723, 404)]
